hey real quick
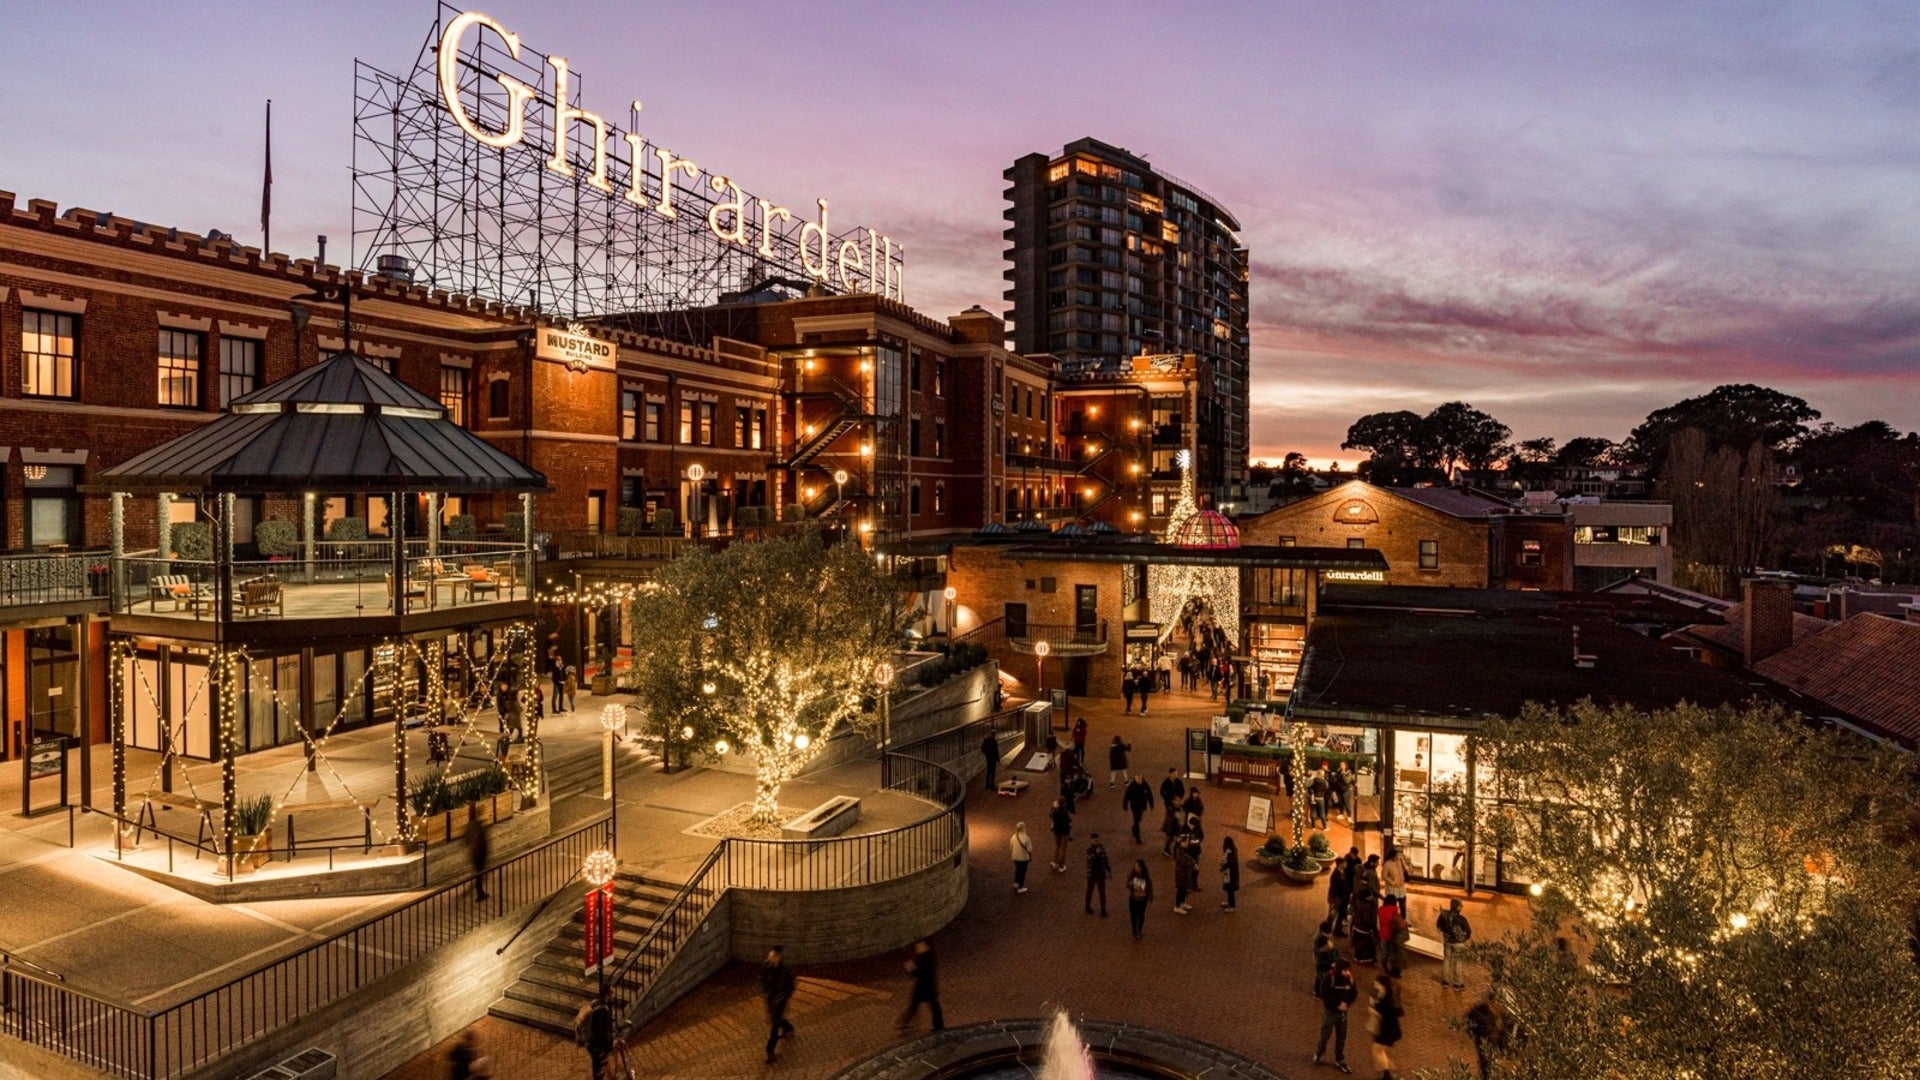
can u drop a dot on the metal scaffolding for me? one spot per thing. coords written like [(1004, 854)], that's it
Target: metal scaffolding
[(498, 224)]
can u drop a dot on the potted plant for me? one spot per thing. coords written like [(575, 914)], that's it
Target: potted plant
[(1299, 864), (277, 538), (252, 834), (1321, 849), (1272, 853)]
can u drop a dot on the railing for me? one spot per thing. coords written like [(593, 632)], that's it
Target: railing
[(837, 862), (957, 744), (1061, 633), (52, 578), (123, 1041), (648, 545), (367, 565)]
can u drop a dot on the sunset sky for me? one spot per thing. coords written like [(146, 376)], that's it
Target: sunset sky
[(1565, 219)]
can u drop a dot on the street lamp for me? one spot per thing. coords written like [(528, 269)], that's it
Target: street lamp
[(696, 473), (612, 719), (884, 674), (1040, 651), (951, 594)]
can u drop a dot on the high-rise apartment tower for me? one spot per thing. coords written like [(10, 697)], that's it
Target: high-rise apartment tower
[(1115, 259)]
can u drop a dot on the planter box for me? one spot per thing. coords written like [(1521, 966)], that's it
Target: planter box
[(250, 852), (451, 825), (1300, 877)]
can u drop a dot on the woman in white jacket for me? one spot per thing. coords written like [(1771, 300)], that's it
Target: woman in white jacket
[(1020, 846)]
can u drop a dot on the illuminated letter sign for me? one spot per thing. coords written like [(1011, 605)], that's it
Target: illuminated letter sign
[(574, 347), (1358, 577), (769, 230)]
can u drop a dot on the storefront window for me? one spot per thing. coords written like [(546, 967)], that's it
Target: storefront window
[(1423, 762)]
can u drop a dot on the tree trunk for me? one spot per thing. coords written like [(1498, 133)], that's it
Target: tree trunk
[(766, 797)]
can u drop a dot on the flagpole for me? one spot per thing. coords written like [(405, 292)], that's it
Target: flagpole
[(266, 188)]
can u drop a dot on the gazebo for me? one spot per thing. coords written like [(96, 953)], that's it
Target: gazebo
[(342, 428)]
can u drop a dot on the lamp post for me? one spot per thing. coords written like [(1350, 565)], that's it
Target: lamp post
[(1040, 651), (697, 473), (885, 677), (597, 871), (612, 719), (951, 594)]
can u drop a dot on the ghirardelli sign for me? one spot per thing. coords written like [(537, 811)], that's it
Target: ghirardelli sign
[(866, 261)]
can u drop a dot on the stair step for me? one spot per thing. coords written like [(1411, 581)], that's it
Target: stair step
[(565, 1001), (535, 1016)]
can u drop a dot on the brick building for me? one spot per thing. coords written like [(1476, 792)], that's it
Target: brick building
[(1430, 536)]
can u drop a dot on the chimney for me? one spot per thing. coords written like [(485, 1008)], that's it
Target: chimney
[(1766, 621)]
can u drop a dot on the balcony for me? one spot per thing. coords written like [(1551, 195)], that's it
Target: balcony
[(444, 583), (67, 582), (1061, 639)]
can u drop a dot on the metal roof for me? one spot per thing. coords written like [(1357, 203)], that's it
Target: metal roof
[(344, 425), (1302, 558)]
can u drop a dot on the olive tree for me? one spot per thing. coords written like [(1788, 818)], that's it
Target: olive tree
[(767, 647), (1720, 893)]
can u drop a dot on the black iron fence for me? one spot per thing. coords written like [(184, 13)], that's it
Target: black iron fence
[(953, 747), (128, 1042)]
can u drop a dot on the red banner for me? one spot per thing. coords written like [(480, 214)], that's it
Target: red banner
[(598, 939)]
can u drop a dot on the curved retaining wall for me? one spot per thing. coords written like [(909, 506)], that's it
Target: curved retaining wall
[(830, 925)]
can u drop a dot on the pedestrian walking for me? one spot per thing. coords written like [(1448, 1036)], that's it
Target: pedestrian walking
[(1384, 1023), (1165, 667), (465, 1061), (1325, 952), (1192, 806), (1062, 824), (1098, 871), (926, 988), (1351, 873), (1337, 991), (1455, 932), (1339, 784), (1487, 1027), (1139, 894), (990, 753), (1117, 760), (1186, 671), (477, 850), (1020, 847), (571, 684), (1143, 681), (1317, 790), (1128, 688), (1183, 871), (1138, 799), (1366, 926), (593, 1029), (776, 989), (1170, 826), (559, 671), (1173, 789), (1393, 879), (1195, 838), (1080, 741), (1229, 872), (1339, 891)]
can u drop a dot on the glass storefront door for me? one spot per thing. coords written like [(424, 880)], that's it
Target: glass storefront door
[(1423, 762)]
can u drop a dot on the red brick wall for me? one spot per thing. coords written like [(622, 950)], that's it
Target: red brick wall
[(1389, 524), (985, 581)]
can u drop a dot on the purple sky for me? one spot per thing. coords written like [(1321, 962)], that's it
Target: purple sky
[(1566, 219)]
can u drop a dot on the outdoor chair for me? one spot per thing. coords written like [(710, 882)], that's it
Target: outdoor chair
[(414, 591), (503, 576), (175, 587), (480, 582), (261, 595)]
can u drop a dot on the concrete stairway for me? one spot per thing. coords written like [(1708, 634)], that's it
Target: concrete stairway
[(552, 988), (578, 772)]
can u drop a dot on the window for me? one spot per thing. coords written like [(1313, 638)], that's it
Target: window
[(239, 368), (742, 425), (686, 422), (453, 393), (656, 419), (913, 499), (179, 369), (939, 498), (939, 377), (913, 436), (47, 361), (1288, 541), (1429, 554), (53, 507), (708, 410), (497, 399), (1530, 553), (629, 414), (1356, 542), (913, 362), (759, 429), (939, 438)]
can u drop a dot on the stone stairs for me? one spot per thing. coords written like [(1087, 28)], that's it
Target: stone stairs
[(552, 988), (578, 773)]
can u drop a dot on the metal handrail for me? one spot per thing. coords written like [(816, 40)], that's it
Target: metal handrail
[(8, 959), (695, 882), (536, 913)]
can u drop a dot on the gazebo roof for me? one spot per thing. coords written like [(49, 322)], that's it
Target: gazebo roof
[(1206, 529), (343, 425)]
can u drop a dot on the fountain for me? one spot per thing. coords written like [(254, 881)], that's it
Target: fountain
[(1055, 1048)]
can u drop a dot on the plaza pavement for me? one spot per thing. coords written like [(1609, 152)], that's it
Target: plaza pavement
[(1235, 979)]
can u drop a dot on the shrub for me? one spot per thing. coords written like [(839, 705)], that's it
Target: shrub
[(347, 528), (462, 527), (193, 540), (251, 816), (429, 795), (516, 524), (1301, 860), (1320, 848), (793, 512), (1273, 846), (276, 536), (630, 521), (663, 520)]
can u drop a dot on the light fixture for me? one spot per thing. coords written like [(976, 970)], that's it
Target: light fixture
[(1536, 889), (707, 688), (809, 493), (866, 449), (883, 674), (1041, 649), (599, 867), (801, 741), (686, 732), (866, 365), (839, 476), (1738, 920), (720, 747), (613, 717), (35, 472), (696, 473), (951, 594), (866, 526)]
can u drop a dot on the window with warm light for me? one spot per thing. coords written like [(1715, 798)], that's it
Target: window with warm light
[(939, 438), (654, 422), (453, 389), (630, 414), (179, 369), (48, 362), (1429, 554), (939, 498)]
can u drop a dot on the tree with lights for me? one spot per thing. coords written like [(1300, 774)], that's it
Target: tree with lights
[(767, 647), (1719, 893)]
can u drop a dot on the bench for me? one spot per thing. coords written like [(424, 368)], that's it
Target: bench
[(175, 587), (287, 810), (144, 818), (1250, 770), (1426, 946), (830, 818), (261, 595)]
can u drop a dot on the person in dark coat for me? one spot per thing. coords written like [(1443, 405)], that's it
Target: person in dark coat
[(990, 753), (1138, 799), (1195, 839), (1192, 806), (777, 983), (1170, 825), (926, 988), (478, 850), (1099, 869), (1384, 1024), (1325, 952), (1139, 895), (1183, 871), (1061, 821), (1117, 760), (1365, 925), (464, 1056), (1127, 689), (1229, 872), (1336, 991), (1173, 789), (1143, 684), (599, 1032), (1339, 893)]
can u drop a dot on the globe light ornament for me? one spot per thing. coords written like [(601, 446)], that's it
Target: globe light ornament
[(599, 868), (613, 717)]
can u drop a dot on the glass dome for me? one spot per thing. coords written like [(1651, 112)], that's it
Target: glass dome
[(1206, 529)]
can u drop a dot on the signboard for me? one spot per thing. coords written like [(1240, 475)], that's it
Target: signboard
[(46, 757), (574, 347), (1196, 740), (1355, 577), (1059, 699), (598, 939), (1259, 814), (1143, 631)]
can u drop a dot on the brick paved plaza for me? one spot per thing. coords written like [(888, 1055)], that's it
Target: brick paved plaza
[(1238, 980)]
